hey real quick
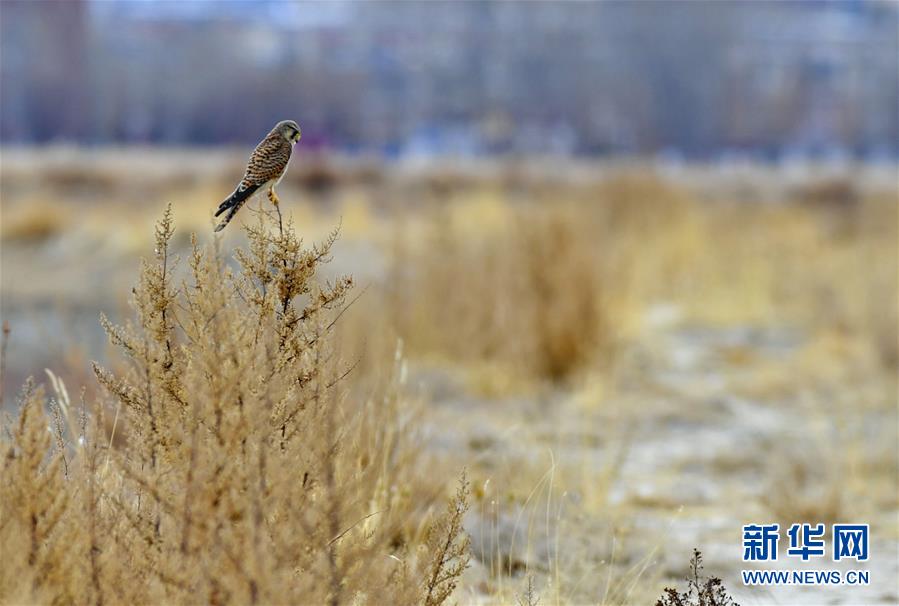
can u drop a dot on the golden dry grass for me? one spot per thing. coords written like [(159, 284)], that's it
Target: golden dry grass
[(566, 328)]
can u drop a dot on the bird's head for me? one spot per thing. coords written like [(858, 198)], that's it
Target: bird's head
[(288, 129)]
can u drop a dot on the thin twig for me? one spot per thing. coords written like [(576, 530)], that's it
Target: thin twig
[(345, 373), (333, 322), (280, 224), (112, 435), (356, 523)]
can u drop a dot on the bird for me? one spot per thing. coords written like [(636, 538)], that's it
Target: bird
[(267, 165)]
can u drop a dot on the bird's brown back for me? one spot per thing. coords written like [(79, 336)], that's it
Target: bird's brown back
[(268, 160)]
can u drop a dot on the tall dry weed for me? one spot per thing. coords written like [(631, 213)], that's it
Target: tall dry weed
[(547, 293), (243, 471)]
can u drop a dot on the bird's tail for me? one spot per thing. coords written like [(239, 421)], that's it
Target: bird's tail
[(233, 204)]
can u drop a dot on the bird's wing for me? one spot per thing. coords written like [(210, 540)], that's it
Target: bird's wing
[(268, 161)]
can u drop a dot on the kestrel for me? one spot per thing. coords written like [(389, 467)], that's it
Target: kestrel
[(265, 169)]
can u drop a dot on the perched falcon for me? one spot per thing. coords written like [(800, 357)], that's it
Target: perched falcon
[(265, 169)]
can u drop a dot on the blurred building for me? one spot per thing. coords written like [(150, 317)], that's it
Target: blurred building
[(695, 79)]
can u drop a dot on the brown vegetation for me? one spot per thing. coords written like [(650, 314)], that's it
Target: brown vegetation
[(609, 351), (701, 591), (247, 474)]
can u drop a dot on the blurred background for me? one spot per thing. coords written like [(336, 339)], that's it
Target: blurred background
[(770, 80), (640, 257)]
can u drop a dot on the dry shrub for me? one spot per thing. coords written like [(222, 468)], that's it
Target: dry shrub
[(799, 487), (82, 176), (247, 473), (563, 288), (833, 193), (32, 222), (526, 299), (321, 174), (544, 289), (701, 591), (317, 176), (34, 501)]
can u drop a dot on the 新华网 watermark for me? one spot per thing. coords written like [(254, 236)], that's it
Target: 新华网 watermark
[(761, 543)]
